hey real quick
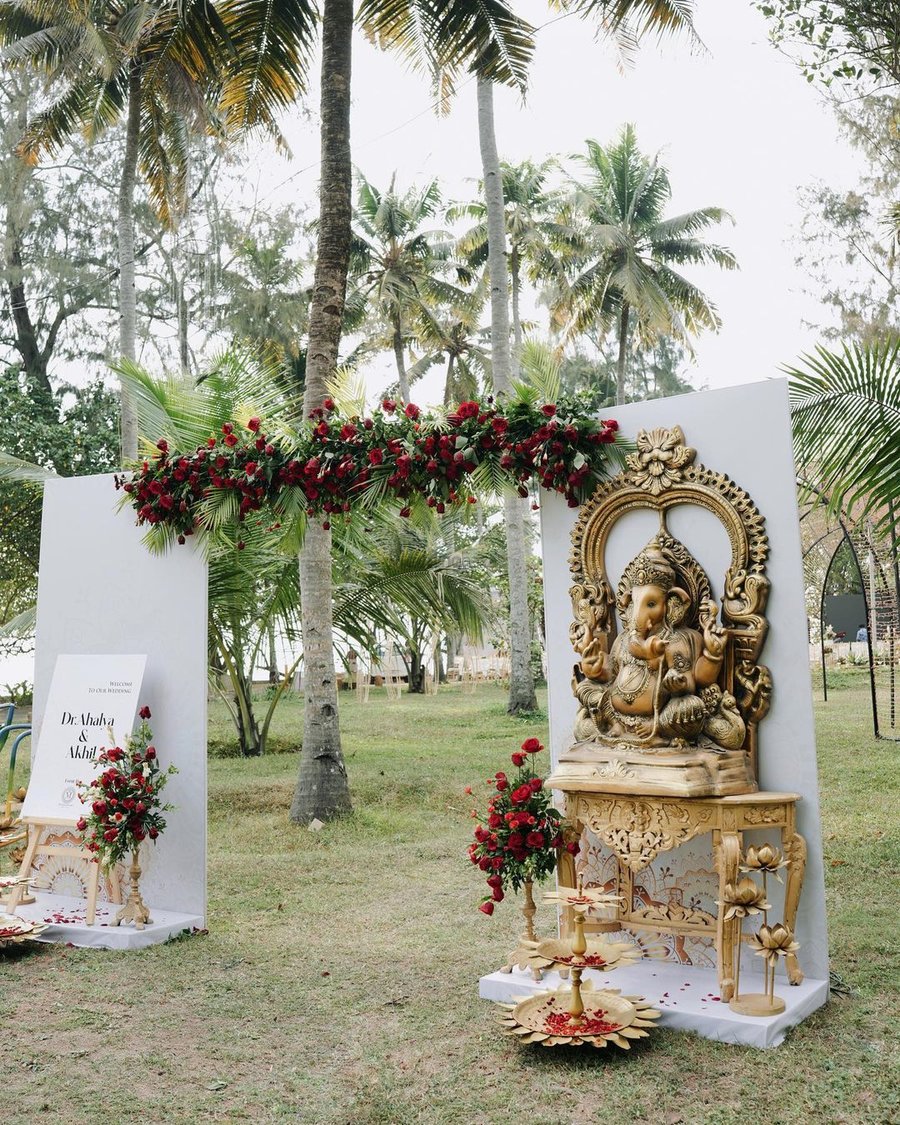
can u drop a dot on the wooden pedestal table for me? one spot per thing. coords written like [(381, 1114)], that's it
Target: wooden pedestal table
[(637, 829)]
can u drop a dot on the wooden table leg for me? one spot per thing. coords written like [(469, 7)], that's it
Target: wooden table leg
[(795, 852), (727, 850)]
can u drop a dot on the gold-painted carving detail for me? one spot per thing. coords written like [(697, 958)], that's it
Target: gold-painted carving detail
[(668, 681)]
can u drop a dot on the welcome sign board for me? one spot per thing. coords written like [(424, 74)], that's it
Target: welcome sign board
[(91, 706)]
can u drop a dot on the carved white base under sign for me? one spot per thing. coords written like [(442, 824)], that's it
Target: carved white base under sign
[(687, 997), (66, 922)]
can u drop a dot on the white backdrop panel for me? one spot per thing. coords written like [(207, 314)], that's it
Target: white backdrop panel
[(101, 591), (744, 432)]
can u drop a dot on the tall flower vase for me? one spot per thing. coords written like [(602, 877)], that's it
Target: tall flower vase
[(134, 909), (527, 942)]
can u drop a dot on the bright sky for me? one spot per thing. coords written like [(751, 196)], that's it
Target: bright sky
[(738, 127)]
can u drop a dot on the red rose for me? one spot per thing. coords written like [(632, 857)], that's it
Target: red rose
[(250, 468), (270, 449), (153, 833), (548, 409), (406, 512), (328, 403), (495, 820), (467, 410), (110, 834), (230, 440), (412, 411), (376, 456), (515, 841), (532, 746), (228, 428), (497, 894), (518, 759), (521, 795), (486, 908), (535, 839), (535, 784), (572, 847), (162, 445), (81, 824), (388, 405), (497, 862), (494, 881), (144, 712), (151, 753), (502, 784), (253, 425)]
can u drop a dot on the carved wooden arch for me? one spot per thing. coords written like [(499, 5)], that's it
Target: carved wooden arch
[(676, 480)]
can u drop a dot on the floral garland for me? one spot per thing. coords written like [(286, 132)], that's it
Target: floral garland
[(400, 452), (519, 837), (124, 799)]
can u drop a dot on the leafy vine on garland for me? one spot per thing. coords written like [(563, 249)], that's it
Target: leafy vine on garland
[(336, 463)]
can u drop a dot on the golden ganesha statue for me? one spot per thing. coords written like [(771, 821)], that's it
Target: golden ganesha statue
[(671, 695)]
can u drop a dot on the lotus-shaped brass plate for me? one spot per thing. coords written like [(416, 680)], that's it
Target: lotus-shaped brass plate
[(608, 1017), (14, 929), (602, 955)]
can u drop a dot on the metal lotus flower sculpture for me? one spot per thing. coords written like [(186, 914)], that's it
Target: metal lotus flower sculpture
[(743, 898), (773, 942), (767, 860), (582, 899)]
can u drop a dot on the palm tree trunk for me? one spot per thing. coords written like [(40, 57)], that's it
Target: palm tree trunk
[(448, 382), (515, 266), (127, 291), (623, 354), (521, 684), (401, 363), (322, 790)]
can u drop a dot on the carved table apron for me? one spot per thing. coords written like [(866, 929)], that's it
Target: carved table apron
[(637, 829)]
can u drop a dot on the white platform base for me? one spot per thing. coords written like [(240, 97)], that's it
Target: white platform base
[(687, 997), (66, 923)]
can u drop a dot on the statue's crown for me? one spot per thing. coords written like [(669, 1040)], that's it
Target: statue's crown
[(651, 568)]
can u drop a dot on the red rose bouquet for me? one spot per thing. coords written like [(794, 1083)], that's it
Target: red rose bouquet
[(125, 797), (517, 839)]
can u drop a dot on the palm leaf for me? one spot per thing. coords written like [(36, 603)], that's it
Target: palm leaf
[(845, 411)]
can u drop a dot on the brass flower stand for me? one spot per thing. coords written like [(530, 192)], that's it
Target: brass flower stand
[(579, 1016), (134, 909), (520, 958)]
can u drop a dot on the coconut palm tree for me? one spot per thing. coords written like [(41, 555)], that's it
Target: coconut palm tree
[(165, 68), (442, 39), (532, 231), (623, 274), (625, 21), (397, 265), (845, 412)]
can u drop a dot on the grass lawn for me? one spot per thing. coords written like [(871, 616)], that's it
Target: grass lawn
[(338, 980)]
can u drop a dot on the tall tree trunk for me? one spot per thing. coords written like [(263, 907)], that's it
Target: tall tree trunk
[(623, 354), (515, 267), (127, 292), (448, 382), (322, 790), (17, 178), (521, 683), (400, 361)]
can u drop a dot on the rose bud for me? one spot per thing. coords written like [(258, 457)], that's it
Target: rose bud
[(144, 712), (518, 759), (486, 908)]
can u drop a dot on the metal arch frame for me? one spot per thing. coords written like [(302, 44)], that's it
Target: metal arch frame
[(846, 538)]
